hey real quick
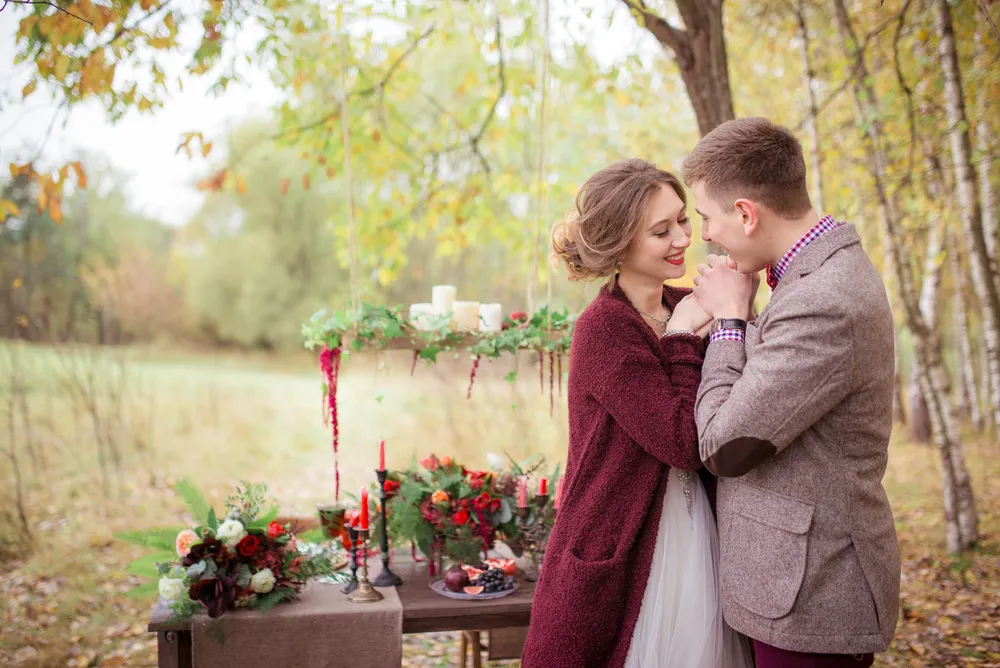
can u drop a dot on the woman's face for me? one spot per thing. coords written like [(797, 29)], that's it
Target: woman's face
[(658, 249)]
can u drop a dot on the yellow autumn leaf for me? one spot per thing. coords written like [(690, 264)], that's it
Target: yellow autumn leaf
[(30, 88), (9, 208), (305, 181), (81, 176), (43, 200), (55, 210), (17, 283), (241, 185), (206, 148), (62, 66), (283, 186), (330, 171)]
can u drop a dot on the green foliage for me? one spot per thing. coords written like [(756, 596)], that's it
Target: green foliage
[(196, 503), (162, 539), (272, 598)]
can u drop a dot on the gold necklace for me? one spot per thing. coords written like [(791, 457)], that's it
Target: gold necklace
[(661, 323)]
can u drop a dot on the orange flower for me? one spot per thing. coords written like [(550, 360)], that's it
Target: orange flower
[(185, 539), (439, 496), (447, 462)]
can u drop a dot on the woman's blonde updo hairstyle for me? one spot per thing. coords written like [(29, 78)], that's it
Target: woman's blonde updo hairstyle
[(610, 211)]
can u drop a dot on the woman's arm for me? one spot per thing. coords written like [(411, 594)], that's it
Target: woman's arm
[(652, 401)]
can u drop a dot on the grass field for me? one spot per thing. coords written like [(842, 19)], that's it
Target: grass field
[(219, 418)]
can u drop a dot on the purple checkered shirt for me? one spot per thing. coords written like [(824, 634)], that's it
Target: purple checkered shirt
[(775, 273)]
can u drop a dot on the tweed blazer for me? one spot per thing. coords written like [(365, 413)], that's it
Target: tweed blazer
[(796, 423)]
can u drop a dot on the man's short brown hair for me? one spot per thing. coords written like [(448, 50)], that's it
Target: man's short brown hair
[(755, 159)]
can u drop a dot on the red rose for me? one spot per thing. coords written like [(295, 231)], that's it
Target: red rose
[(391, 488), (495, 505), (518, 316), (461, 517), (274, 530), (476, 484), (248, 545), (481, 502)]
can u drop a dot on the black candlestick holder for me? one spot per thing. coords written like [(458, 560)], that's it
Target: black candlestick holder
[(385, 578), (352, 535)]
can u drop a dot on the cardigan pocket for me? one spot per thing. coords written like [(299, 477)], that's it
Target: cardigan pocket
[(591, 601), (764, 550)]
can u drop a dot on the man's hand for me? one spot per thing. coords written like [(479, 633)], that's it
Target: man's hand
[(721, 290)]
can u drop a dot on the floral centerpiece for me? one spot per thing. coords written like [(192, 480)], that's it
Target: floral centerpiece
[(453, 512), (245, 560)]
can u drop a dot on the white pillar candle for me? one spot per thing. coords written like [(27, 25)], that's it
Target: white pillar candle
[(466, 315), (490, 317), (421, 315), (443, 298)]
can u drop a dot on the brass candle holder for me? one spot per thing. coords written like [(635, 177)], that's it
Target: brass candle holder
[(365, 592)]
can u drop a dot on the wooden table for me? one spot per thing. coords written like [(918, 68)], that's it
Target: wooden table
[(423, 612)]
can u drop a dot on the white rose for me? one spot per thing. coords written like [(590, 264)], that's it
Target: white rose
[(172, 589), (494, 461), (231, 532), (262, 581)]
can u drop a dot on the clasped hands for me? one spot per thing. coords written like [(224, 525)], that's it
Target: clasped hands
[(720, 292)]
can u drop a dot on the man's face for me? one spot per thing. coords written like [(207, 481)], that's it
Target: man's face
[(726, 229)]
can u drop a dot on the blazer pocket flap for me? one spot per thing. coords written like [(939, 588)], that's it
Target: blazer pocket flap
[(774, 510)]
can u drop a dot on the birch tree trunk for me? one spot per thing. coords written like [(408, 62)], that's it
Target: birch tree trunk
[(984, 150), (966, 364), (812, 122), (968, 197), (959, 505)]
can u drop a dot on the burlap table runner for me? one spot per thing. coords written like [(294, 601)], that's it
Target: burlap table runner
[(321, 629)]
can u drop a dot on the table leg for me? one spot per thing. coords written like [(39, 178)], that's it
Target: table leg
[(173, 649), (477, 649), (463, 650)]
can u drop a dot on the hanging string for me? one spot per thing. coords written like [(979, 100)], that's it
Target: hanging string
[(348, 178), (542, 204), (545, 163)]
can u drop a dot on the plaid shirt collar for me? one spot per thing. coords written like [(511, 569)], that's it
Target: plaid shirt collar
[(775, 273)]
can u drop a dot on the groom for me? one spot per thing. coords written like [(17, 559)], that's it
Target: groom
[(794, 409)]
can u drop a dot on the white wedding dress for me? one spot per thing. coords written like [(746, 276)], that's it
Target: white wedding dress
[(680, 623)]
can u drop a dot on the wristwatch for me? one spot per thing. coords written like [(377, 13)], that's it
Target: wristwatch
[(728, 323)]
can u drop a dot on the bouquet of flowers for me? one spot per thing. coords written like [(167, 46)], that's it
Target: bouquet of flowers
[(448, 510), (245, 560)]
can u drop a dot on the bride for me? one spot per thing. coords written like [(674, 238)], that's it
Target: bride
[(630, 572)]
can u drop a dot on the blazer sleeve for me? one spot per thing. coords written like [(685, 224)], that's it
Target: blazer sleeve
[(653, 401), (751, 408)]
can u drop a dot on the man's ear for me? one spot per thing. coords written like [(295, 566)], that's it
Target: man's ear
[(749, 215)]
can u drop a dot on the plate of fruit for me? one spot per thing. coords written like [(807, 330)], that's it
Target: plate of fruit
[(470, 583)]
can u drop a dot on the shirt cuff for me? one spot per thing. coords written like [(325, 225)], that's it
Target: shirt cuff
[(728, 335)]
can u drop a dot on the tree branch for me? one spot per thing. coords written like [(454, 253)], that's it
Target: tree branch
[(44, 2), (363, 92), (673, 38), (989, 19)]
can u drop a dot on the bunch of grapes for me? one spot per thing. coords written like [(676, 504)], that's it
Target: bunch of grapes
[(494, 580)]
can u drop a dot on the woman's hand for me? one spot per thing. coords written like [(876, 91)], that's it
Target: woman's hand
[(689, 316)]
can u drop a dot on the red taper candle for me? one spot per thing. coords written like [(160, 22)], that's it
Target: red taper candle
[(555, 504), (543, 486), (381, 455), (522, 492), (364, 510)]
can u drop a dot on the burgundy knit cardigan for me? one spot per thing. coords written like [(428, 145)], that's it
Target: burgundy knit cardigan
[(631, 417)]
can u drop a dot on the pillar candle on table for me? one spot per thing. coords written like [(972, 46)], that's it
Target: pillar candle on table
[(364, 510), (543, 486), (421, 315), (490, 317), (555, 504), (443, 298), (381, 455), (466, 315), (522, 492)]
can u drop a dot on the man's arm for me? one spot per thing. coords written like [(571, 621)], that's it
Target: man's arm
[(748, 410)]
